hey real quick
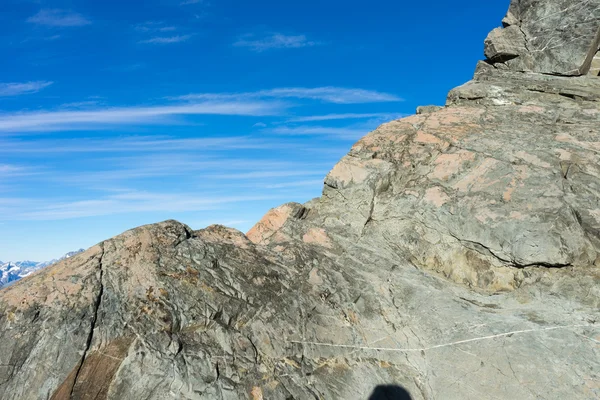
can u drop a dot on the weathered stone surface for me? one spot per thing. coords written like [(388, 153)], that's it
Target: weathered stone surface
[(164, 312), (454, 253), (551, 37), (427, 109), (505, 176), (504, 44)]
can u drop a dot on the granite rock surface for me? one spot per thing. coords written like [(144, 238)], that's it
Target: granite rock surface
[(454, 253), (557, 37)]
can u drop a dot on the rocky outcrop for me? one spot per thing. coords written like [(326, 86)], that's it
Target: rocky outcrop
[(162, 311), (500, 182), (552, 37), (453, 253)]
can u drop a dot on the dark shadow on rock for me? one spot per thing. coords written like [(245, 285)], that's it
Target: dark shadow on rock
[(390, 392)]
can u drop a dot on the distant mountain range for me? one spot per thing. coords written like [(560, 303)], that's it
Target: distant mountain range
[(14, 270)]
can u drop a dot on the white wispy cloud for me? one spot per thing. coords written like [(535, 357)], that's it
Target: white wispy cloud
[(12, 175), (58, 18), (11, 171), (155, 166), (344, 133), (167, 39), (80, 104), (48, 121), (312, 182), (273, 41), (120, 203), (330, 117), (158, 30), (328, 94), (5, 168), (133, 144), (272, 173), (336, 95), (188, 2), (16, 88), (154, 26)]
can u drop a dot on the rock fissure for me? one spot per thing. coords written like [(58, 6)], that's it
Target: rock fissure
[(511, 262), (95, 310), (525, 38)]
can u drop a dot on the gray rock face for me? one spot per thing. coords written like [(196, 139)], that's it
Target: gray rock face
[(502, 179), (164, 312), (453, 253), (427, 109), (547, 36)]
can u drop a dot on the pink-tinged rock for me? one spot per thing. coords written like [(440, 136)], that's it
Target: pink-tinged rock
[(448, 164), (423, 137), (317, 236), (266, 229), (478, 177), (436, 196)]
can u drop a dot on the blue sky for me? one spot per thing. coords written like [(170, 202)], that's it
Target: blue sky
[(115, 114)]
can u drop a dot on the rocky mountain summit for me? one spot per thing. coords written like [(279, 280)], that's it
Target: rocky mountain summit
[(454, 253)]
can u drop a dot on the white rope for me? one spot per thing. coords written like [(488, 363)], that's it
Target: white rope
[(477, 339)]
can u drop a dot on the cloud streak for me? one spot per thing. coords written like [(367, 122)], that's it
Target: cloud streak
[(312, 182), (11, 171), (132, 144), (156, 166), (58, 18), (16, 89), (273, 41), (329, 94), (154, 26), (167, 39), (120, 203), (52, 121), (342, 133), (331, 117), (267, 174)]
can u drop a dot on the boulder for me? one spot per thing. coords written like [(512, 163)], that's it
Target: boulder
[(558, 37)]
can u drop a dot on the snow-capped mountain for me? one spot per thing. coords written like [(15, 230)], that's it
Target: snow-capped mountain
[(14, 270), (68, 255)]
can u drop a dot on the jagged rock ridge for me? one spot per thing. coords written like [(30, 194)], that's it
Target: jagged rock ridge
[(454, 253)]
